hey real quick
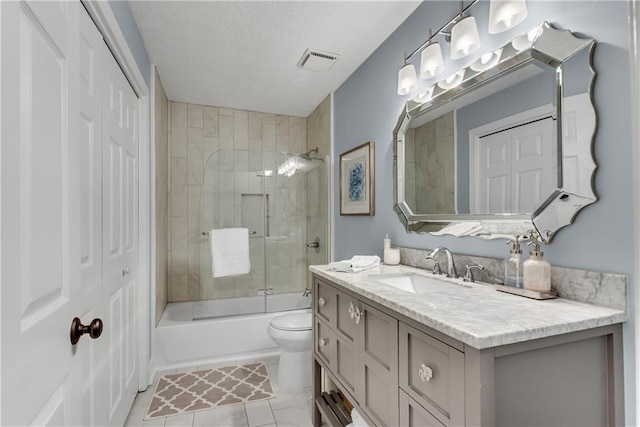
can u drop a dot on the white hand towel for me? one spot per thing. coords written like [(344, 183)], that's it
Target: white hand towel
[(355, 264), (357, 419), (229, 251), (459, 229)]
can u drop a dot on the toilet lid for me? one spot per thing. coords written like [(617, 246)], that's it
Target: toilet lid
[(292, 322)]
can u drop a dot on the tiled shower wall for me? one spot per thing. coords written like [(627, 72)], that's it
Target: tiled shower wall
[(215, 153), (319, 135)]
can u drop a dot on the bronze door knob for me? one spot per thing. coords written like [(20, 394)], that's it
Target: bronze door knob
[(94, 329)]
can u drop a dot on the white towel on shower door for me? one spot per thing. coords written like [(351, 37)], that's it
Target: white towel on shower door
[(229, 251)]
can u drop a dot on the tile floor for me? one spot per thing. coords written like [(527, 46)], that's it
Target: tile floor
[(289, 407)]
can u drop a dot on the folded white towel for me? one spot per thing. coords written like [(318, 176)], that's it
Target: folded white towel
[(459, 229), (357, 419), (355, 264), (229, 251)]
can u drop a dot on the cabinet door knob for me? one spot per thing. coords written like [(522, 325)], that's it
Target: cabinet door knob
[(322, 302), (352, 310), (425, 372), (323, 342), (358, 314)]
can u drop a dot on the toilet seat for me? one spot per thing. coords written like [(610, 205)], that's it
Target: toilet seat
[(292, 322)]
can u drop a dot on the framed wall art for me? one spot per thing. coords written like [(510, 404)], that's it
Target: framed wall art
[(357, 196)]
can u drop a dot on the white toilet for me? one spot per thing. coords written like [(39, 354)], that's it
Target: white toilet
[(292, 332)]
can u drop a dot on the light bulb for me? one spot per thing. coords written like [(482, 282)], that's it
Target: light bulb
[(486, 57), (431, 62), (424, 96), (506, 14), (464, 38), (407, 80)]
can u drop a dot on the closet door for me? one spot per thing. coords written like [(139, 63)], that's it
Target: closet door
[(119, 234), (40, 210), (92, 359)]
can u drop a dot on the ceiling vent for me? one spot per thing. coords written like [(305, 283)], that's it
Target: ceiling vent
[(317, 60)]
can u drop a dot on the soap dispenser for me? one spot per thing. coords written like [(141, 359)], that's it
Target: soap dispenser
[(536, 271), (391, 255), (513, 264)]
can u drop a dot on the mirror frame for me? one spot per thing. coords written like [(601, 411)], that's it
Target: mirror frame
[(550, 47)]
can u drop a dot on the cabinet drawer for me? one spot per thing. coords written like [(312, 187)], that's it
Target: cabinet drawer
[(324, 343), (432, 373), (324, 301), (414, 415)]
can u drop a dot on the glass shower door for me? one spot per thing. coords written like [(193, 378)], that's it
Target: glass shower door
[(298, 215)]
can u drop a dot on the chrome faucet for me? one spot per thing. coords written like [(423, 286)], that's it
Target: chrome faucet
[(436, 265), (451, 266), (468, 273)]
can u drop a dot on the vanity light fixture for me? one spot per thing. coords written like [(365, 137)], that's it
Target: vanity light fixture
[(425, 96), (462, 32), (407, 80), (431, 61), (486, 61), (525, 41), (506, 14), (452, 81), (464, 38)]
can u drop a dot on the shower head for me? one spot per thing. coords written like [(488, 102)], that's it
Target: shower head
[(307, 155), (299, 162)]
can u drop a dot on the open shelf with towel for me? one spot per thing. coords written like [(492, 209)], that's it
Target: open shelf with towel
[(334, 408)]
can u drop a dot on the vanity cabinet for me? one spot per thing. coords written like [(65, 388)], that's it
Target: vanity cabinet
[(432, 374), (359, 345), (397, 371)]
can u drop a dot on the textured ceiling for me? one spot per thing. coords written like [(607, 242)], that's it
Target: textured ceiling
[(243, 54)]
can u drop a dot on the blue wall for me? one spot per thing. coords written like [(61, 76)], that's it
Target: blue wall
[(129, 28), (366, 108)]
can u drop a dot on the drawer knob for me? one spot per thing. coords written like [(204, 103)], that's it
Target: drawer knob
[(425, 372), (322, 302), (352, 310), (323, 342), (358, 315)]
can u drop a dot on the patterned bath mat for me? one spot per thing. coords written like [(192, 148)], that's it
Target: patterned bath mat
[(193, 391)]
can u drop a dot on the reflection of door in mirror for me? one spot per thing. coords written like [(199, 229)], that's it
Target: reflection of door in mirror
[(513, 163)]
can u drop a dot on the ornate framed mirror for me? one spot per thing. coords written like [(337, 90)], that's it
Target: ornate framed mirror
[(504, 145)]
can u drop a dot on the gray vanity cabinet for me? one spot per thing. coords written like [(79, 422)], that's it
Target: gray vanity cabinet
[(359, 345), (398, 371)]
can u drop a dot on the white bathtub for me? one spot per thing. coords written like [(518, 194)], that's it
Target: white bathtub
[(181, 341)]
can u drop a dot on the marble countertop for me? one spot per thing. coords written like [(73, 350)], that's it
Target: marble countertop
[(476, 314)]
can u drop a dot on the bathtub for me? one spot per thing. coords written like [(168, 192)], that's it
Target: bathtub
[(181, 341)]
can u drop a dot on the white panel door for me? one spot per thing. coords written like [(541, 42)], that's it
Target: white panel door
[(533, 170), (515, 169), (92, 359), (68, 220), (120, 245), (493, 185), (40, 272)]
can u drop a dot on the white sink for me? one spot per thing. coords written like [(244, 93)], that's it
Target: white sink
[(416, 284)]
